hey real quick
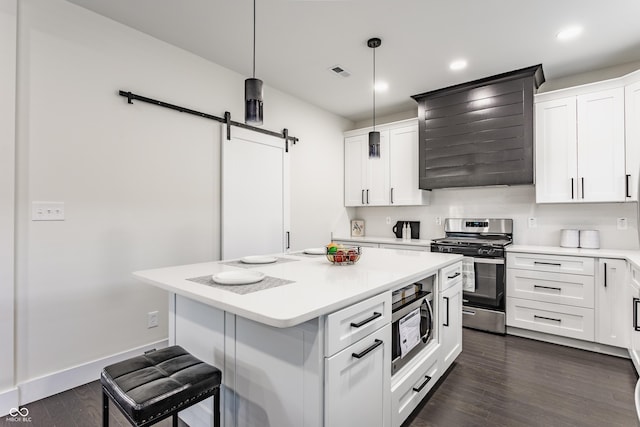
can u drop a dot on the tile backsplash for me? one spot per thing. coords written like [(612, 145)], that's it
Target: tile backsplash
[(516, 202)]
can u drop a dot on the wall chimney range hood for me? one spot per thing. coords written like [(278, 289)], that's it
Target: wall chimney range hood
[(478, 133)]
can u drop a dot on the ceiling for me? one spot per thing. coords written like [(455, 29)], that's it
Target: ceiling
[(298, 41)]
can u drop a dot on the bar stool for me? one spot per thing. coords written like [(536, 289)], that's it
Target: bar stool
[(159, 384)]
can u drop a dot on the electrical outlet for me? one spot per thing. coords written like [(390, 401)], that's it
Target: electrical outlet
[(622, 223), (388, 220), (47, 211), (532, 223), (152, 319), (439, 220)]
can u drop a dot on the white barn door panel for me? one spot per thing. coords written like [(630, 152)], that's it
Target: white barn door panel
[(255, 194)]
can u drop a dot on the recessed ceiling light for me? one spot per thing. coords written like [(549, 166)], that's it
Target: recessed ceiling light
[(381, 86), (569, 33), (458, 64)]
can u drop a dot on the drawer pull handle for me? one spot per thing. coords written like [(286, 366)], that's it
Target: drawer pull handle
[(636, 301), (469, 312), (446, 322), (423, 385), (626, 185), (555, 264), (365, 321), (605, 274), (368, 350), (535, 316), (454, 276), (548, 287)]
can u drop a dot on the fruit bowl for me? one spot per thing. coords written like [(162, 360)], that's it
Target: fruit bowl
[(345, 255)]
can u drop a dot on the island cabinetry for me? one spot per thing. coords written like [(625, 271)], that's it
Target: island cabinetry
[(633, 304), (551, 294), (612, 313), (357, 364), (451, 314), (580, 144)]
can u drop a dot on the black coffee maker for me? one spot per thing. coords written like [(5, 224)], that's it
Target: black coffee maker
[(415, 229)]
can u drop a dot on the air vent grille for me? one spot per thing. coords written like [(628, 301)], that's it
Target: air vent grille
[(340, 71)]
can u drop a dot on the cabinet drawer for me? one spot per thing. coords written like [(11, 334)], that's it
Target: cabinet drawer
[(414, 385), (355, 322), (356, 243), (552, 263), (557, 288), (557, 319), (405, 247), (450, 275)]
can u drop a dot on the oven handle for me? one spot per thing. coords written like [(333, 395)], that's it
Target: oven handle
[(488, 260)]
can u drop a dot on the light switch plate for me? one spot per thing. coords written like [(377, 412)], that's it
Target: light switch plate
[(532, 223), (47, 211)]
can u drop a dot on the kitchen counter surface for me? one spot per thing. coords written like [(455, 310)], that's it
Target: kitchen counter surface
[(385, 240), (630, 255), (319, 287)]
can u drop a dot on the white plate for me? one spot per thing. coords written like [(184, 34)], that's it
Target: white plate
[(258, 259), (315, 251), (238, 277)]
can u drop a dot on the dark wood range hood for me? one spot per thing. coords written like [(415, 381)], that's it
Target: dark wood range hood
[(478, 133)]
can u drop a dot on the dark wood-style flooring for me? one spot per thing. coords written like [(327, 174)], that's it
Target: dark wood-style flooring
[(512, 381), (496, 381)]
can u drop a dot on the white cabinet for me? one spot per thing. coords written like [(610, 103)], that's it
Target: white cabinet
[(580, 146), (632, 137), (633, 302), (366, 178), (391, 179), (551, 294), (357, 387), (451, 324), (358, 364), (612, 311)]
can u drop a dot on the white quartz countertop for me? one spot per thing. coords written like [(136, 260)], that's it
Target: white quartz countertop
[(630, 255), (319, 287), (384, 240)]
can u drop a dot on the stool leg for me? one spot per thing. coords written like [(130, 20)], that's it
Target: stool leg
[(216, 408), (105, 410)]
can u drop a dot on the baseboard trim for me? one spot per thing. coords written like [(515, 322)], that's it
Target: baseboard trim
[(569, 342), (8, 399), (56, 382)]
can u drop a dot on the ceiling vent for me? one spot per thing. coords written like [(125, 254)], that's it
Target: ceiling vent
[(340, 71)]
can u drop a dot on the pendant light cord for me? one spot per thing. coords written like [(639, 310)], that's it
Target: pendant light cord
[(254, 39), (374, 89)]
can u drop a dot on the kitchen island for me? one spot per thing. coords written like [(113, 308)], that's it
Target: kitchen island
[(288, 348)]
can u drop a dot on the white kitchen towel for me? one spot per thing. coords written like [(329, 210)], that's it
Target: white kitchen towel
[(409, 331), (468, 275)]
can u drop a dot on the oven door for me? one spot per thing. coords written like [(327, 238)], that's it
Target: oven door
[(489, 284), (427, 323)]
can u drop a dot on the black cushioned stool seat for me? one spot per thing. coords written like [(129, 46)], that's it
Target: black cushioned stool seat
[(159, 384)]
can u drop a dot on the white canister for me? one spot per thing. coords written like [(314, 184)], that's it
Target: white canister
[(590, 239), (569, 238)]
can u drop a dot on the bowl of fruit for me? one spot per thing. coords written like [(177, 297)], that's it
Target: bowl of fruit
[(343, 255)]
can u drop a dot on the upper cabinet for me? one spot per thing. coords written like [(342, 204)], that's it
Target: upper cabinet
[(387, 179), (580, 148), (632, 135), (587, 142)]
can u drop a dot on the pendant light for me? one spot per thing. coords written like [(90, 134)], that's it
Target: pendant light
[(374, 137), (253, 87)]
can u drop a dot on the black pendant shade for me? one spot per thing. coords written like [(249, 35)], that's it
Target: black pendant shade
[(374, 137), (374, 144), (253, 101)]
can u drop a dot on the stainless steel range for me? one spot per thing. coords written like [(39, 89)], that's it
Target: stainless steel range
[(483, 243)]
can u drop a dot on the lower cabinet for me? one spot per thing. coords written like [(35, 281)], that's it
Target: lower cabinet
[(411, 385), (357, 383), (612, 313), (451, 324), (633, 304)]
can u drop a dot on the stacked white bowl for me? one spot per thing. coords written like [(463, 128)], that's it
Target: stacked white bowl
[(590, 239)]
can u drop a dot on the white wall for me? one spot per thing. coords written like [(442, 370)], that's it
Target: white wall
[(8, 9), (140, 183), (518, 203)]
